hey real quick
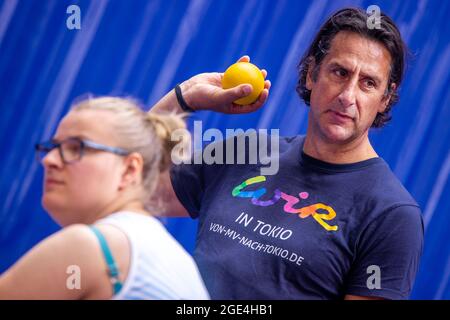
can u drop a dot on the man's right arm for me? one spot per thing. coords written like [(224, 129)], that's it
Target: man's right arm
[(165, 194), (202, 92)]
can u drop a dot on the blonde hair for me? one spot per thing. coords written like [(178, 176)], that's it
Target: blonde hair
[(148, 134)]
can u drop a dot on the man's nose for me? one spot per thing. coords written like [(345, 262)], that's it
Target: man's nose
[(347, 97)]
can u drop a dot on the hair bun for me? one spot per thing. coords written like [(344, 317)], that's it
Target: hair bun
[(165, 124)]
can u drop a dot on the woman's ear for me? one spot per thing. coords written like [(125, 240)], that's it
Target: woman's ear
[(132, 174)]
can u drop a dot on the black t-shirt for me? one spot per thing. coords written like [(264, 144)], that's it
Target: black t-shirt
[(314, 230)]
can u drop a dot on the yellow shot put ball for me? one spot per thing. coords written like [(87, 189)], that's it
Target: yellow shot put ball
[(244, 72)]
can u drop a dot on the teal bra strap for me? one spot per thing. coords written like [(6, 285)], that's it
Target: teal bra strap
[(112, 267)]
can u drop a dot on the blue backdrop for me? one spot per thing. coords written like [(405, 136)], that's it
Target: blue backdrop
[(143, 48)]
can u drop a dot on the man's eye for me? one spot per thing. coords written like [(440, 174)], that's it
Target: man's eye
[(340, 72), (369, 83)]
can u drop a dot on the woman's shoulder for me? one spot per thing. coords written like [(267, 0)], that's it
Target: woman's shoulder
[(62, 266)]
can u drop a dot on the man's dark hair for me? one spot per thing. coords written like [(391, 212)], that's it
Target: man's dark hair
[(355, 20)]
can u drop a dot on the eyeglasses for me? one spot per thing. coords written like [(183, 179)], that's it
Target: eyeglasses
[(72, 149)]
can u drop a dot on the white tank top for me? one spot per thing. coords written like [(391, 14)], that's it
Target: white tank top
[(160, 268)]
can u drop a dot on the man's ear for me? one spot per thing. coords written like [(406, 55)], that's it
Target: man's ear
[(309, 74), (132, 173), (387, 99)]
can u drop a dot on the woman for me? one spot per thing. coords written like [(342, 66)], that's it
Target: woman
[(101, 166)]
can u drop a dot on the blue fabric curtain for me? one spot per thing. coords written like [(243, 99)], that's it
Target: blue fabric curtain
[(143, 48)]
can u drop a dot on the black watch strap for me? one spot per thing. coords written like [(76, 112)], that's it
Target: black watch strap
[(181, 100)]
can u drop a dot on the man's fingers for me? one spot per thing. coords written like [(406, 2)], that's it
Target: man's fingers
[(232, 94), (262, 97), (238, 109), (244, 59), (264, 73)]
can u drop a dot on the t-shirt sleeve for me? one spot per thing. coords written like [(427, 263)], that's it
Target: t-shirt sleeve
[(187, 182), (387, 255)]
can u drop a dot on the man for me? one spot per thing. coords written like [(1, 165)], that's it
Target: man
[(334, 222)]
